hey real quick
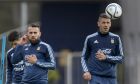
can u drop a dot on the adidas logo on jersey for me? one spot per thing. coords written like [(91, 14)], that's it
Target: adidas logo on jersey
[(96, 41)]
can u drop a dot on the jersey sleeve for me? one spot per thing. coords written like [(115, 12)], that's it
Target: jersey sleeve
[(18, 55), (85, 55), (118, 57), (51, 64), (9, 70)]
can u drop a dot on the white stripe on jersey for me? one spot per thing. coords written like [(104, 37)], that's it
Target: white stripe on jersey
[(50, 52), (84, 51)]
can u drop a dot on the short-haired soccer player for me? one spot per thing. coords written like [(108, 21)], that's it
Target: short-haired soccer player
[(38, 57), (101, 53), (14, 71)]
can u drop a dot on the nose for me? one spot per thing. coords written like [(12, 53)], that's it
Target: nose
[(106, 24), (32, 34)]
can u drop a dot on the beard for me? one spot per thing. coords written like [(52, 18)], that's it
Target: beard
[(34, 41)]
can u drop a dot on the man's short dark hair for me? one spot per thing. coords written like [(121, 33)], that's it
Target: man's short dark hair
[(14, 35), (34, 25), (103, 15)]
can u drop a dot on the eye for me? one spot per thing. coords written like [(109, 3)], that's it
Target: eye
[(108, 22), (35, 32), (30, 32), (103, 22)]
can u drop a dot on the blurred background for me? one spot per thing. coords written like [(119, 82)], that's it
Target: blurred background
[(65, 25)]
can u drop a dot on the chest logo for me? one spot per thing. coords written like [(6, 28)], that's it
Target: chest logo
[(96, 41), (38, 48), (112, 41)]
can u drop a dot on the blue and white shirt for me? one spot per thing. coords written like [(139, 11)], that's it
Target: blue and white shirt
[(14, 71), (110, 44), (45, 61)]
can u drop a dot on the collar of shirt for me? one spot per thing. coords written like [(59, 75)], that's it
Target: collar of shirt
[(103, 34), (36, 43)]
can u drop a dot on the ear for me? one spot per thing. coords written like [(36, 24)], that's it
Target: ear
[(98, 24), (40, 34)]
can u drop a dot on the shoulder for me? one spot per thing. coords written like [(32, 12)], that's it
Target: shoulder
[(46, 47), (10, 50), (92, 35), (117, 37), (22, 47), (44, 44), (114, 35)]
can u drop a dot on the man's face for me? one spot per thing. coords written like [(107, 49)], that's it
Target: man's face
[(33, 34), (104, 25)]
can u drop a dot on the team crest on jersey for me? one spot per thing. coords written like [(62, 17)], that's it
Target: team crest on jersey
[(112, 41), (38, 48)]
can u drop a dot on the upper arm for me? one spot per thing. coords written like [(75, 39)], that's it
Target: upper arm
[(9, 64), (86, 49), (18, 54), (50, 53), (119, 47)]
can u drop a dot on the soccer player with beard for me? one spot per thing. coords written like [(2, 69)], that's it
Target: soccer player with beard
[(38, 57)]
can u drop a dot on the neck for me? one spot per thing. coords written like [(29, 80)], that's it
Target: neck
[(35, 42), (103, 34)]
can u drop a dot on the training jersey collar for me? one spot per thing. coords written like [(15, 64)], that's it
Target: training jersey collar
[(103, 34), (37, 42)]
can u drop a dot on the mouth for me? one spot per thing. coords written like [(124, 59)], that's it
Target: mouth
[(106, 29), (33, 39)]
